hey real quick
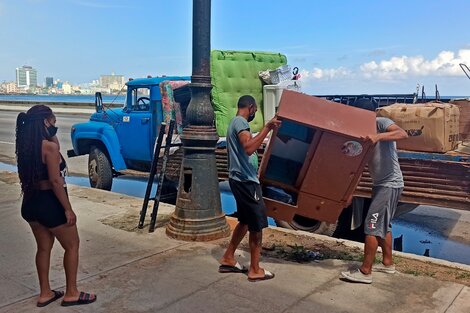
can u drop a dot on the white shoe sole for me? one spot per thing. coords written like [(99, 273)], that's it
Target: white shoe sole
[(355, 279), (384, 270)]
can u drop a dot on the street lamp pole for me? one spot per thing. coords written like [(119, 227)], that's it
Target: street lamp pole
[(198, 215)]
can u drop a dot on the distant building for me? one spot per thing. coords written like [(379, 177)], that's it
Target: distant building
[(67, 88), (11, 87), (108, 81), (26, 77), (49, 82), (8, 87)]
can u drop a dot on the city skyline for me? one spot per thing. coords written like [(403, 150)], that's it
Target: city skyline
[(26, 82), (43, 82), (339, 47)]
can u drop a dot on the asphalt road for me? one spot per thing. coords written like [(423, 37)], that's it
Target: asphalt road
[(77, 165)]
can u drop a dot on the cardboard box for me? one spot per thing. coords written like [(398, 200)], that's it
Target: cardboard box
[(464, 119), (431, 127)]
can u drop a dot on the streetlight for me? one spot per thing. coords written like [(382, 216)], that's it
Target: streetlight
[(198, 215)]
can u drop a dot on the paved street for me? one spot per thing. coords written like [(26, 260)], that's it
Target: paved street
[(77, 165)]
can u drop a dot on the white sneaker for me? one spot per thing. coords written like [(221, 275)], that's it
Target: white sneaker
[(380, 267), (357, 276)]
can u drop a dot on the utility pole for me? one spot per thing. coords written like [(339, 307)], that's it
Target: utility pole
[(198, 215)]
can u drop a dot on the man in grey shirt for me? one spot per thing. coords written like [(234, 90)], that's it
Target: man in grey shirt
[(244, 183), (387, 180)]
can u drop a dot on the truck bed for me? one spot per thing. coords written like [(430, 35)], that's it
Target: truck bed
[(430, 178)]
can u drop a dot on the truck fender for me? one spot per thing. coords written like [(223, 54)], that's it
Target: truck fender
[(87, 134)]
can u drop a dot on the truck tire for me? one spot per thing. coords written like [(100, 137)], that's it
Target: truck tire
[(100, 172), (308, 225)]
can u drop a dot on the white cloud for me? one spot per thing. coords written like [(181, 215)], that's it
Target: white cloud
[(325, 74), (446, 63), (394, 74)]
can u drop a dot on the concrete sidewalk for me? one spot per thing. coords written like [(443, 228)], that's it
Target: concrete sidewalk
[(142, 272)]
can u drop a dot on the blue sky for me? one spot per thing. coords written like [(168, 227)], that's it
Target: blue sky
[(340, 46)]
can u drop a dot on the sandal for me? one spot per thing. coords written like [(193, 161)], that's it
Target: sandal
[(57, 295), (83, 298)]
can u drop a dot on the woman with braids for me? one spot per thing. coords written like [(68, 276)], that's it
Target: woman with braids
[(46, 207)]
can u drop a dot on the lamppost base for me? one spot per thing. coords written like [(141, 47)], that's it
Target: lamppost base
[(198, 229)]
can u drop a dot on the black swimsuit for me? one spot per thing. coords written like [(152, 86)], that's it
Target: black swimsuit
[(42, 206)]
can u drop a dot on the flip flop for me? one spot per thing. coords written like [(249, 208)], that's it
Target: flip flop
[(83, 298), (57, 295), (238, 268), (267, 275)]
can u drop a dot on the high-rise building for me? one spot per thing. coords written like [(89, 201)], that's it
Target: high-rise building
[(26, 76), (49, 81), (107, 80)]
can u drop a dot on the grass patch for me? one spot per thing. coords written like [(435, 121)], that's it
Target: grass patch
[(129, 222), (298, 254), (412, 272), (463, 275)]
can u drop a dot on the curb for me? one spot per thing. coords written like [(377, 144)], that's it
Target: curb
[(353, 244)]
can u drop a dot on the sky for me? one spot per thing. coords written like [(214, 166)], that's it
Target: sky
[(340, 47)]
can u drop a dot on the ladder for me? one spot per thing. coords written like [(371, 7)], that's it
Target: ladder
[(159, 178)]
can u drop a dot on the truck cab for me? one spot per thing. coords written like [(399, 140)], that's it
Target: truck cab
[(117, 139)]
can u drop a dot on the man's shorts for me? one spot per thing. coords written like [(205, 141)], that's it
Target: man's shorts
[(250, 205), (381, 211)]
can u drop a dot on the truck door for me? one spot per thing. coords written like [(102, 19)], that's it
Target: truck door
[(135, 129)]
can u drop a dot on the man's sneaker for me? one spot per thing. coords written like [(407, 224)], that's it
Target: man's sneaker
[(380, 267), (357, 276)]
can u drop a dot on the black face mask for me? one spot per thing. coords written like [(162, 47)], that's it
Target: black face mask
[(52, 130), (251, 117)]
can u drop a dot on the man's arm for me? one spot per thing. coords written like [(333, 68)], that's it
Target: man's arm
[(392, 133), (251, 144)]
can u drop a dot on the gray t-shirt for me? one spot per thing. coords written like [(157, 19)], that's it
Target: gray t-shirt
[(384, 168), (239, 166)]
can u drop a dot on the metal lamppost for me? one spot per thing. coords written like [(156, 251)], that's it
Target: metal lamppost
[(198, 215)]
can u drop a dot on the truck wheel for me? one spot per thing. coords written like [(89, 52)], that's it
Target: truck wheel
[(309, 225), (100, 172)]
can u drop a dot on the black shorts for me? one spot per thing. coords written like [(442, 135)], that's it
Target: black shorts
[(250, 205), (43, 207)]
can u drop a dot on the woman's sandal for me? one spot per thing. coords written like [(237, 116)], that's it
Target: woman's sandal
[(57, 295), (83, 298)]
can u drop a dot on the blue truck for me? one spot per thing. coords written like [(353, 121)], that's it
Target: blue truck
[(121, 139), (117, 139)]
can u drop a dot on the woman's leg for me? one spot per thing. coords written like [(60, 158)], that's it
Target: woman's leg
[(68, 238), (45, 241)]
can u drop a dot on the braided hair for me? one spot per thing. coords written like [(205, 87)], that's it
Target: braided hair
[(30, 132)]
